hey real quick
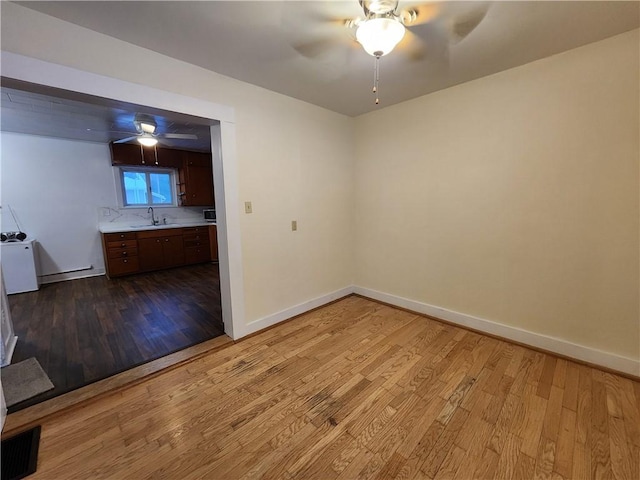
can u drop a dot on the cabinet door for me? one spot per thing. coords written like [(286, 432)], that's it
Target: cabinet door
[(172, 251), (131, 154), (197, 180), (150, 253), (169, 157), (213, 242)]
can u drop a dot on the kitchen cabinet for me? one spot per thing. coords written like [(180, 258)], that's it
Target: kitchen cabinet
[(196, 245), (126, 253), (196, 180), (213, 242), (158, 249), (121, 253), (137, 155)]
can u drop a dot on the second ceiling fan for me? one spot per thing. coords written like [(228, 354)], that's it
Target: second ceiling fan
[(148, 136)]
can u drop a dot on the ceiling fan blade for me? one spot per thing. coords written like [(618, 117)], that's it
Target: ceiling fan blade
[(315, 48), (466, 23), (413, 47), (420, 14), (314, 28), (179, 136), (434, 40), (125, 140)]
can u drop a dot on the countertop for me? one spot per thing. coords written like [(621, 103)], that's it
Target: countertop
[(119, 227)]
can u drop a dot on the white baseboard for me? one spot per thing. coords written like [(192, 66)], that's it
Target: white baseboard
[(291, 312), (551, 344), (63, 277)]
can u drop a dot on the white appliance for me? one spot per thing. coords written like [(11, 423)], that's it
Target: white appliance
[(19, 266)]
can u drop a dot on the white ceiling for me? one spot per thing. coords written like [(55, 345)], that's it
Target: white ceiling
[(254, 41)]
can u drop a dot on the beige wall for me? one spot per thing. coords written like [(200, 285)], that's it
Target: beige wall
[(513, 198), (295, 160)]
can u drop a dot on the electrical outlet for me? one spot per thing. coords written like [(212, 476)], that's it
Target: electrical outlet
[(247, 207), (294, 225)]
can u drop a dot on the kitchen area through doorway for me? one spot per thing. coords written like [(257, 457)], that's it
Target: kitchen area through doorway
[(124, 234)]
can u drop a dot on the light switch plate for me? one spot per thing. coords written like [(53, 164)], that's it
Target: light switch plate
[(247, 207)]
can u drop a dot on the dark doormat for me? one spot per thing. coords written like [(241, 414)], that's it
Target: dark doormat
[(20, 454)]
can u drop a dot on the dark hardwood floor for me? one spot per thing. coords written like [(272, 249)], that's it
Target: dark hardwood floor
[(85, 330)]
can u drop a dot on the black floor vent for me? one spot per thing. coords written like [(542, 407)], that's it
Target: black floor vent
[(20, 454)]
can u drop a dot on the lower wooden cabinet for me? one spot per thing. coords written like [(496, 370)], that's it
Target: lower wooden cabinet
[(123, 266), (121, 253), (160, 249), (196, 245), (127, 253), (213, 242)]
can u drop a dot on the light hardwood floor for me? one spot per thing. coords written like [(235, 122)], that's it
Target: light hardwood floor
[(357, 390)]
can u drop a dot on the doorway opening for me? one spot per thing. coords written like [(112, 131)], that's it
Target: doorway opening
[(142, 316)]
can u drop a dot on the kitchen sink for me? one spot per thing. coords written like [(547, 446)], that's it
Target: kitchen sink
[(146, 226)]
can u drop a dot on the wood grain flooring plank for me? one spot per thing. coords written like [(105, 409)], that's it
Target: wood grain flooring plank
[(599, 433), (566, 443), (509, 456), (444, 443), (525, 467)]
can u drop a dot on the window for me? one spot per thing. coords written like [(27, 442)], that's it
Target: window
[(147, 187)]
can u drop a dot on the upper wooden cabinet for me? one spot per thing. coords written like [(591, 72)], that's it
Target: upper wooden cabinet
[(196, 180), (137, 155)]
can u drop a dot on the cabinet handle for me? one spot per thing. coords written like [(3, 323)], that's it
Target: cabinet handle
[(158, 241), (124, 254), (122, 235), (125, 261), (123, 245), (166, 239)]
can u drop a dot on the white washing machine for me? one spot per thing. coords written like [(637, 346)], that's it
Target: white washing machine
[(19, 266)]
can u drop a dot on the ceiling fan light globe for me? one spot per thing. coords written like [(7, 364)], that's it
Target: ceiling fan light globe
[(147, 140), (379, 36)]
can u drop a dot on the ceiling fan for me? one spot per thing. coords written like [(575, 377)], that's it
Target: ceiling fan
[(147, 135), (424, 31)]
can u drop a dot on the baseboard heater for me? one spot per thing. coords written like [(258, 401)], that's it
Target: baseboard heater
[(83, 269)]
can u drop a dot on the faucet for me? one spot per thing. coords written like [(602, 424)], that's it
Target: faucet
[(153, 219)]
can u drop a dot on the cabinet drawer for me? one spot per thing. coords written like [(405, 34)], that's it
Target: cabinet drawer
[(123, 266), (197, 254), (197, 237), (196, 230), (124, 244), (113, 237), (196, 243), (122, 252), (161, 233)]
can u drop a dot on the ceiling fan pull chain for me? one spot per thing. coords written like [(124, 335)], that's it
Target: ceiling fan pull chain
[(142, 154), (376, 78), (155, 150), (375, 75)]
